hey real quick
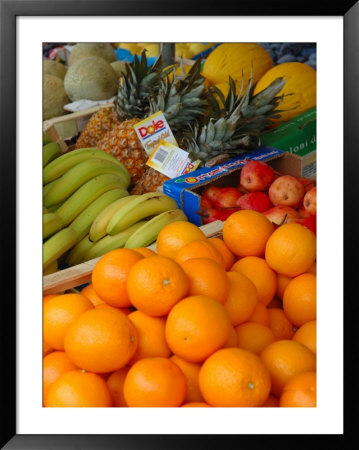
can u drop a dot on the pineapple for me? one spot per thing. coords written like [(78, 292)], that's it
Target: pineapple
[(182, 101), (104, 120)]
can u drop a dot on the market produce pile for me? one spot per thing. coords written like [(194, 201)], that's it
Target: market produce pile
[(166, 328), (171, 316)]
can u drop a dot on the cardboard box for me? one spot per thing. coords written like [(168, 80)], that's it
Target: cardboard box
[(298, 137), (186, 190)]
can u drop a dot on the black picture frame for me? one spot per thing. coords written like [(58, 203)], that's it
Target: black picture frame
[(9, 10)]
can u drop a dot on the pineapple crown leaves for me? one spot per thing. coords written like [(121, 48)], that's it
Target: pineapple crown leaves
[(182, 100), (136, 85), (236, 126)]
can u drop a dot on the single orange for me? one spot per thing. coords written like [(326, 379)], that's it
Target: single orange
[(300, 299), (78, 388), (115, 383), (291, 249), (155, 382), (228, 257), (198, 249), (145, 251), (261, 275), (191, 373), (54, 365), (242, 298), (155, 284), (48, 297), (59, 313), (307, 335), (260, 315), (196, 327), (300, 391), (89, 292), (206, 277), (234, 377), (254, 337), (151, 336), (279, 324), (109, 276), (101, 340), (284, 359), (282, 283), (175, 235), (246, 233)]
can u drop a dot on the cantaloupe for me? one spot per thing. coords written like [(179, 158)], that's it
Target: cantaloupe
[(91, 78)]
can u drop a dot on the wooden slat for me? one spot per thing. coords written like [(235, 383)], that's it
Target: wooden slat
[(81, 273), (74, 116)]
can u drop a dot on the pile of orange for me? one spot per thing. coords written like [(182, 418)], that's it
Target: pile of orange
[(201, 322)]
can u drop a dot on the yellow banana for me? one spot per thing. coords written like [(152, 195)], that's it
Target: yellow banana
[(144, 206), (47, 187), (57, 245), (109, 243), (51, 224), (63, 163), (46, 138), (50, 152), (53, 267), (98, 227), (86, 194), (78, 175), (84, 220), (147, 234), (77, 254)]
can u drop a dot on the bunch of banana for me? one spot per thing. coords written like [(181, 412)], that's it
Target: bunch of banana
[(87, 209), (129, 222), (77, 186)]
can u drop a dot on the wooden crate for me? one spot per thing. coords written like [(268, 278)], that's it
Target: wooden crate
[(80, 274), (78, 119)]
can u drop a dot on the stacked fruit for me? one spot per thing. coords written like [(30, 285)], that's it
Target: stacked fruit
[(85, 191), (281, 198), (201, 322), (205, 122)]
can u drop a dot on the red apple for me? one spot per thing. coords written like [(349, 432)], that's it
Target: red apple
[(211, 193), (205, 203), (307, 183), (257, 201), (281, 214), (310, 201), (212, 214), (286, 190), (303, 213), (222, 197), (256, 176)]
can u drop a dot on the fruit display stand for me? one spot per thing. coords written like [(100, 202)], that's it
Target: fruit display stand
[(80, 274)]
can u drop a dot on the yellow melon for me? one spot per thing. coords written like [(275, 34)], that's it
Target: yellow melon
[(301, 83), (235, 60)]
